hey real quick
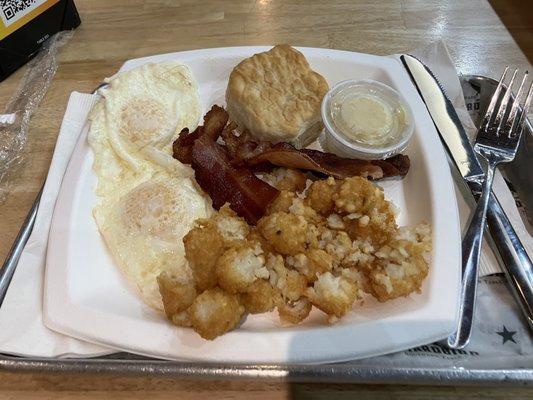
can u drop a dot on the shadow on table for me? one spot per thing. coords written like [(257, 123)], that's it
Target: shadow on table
[(517, 16)]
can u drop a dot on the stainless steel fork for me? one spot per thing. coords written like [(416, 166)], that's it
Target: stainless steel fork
[(497, 141)]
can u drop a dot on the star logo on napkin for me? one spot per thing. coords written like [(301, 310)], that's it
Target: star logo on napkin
[(507, 336)]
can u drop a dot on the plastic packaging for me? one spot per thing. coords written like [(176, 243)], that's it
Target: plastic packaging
[(15, 120)]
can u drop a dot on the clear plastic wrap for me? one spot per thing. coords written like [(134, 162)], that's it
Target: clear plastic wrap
[(15, 120)]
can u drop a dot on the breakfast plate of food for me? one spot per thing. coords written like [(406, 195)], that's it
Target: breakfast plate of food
[(256, 205)]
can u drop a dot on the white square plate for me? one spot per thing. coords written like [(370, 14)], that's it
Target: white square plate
[(87, 298)]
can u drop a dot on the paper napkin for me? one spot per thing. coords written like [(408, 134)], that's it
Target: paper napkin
[(22, 331)]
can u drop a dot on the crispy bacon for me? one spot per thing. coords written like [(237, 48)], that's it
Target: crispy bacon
[(214, 122), (182, 146), (262, 155), (247, 195), (339, 167), (240, 147), (397, 165)]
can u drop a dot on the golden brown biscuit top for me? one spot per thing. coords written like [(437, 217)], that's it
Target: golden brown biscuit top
[(275, 93)]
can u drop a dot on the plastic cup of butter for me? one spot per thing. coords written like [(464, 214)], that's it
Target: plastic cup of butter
[(366, 119)]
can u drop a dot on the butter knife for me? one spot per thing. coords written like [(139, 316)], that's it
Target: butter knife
[(513, 257)]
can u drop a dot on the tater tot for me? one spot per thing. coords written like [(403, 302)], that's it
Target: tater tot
[(367, 214), (256, 237), (282, 202), (287, 233), (288, 281), (260, 297), (320, 196), (311, 264), (181, 319), (299, 207), (357, 195), (232, 228), (401, 269), (203, 246), (336, 243), (333, 295), (377, 227), (238, 267), (215, 312), (294, 311), (177, 293)]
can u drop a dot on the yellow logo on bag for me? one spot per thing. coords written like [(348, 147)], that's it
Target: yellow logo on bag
[(17, 13)]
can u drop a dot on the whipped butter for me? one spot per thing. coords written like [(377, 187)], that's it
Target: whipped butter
[(366, 119)]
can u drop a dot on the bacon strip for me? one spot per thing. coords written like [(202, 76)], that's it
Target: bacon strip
[(182, 146), (339, 167), (247, 195), (261, 155), (397, 165), (214, 122)]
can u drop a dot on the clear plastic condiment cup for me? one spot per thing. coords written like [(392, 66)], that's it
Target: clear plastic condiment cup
[(339, 142)]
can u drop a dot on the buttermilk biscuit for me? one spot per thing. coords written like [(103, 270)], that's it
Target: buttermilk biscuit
[(276, 96)]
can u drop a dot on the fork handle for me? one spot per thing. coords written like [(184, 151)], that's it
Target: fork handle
[(471, 251)]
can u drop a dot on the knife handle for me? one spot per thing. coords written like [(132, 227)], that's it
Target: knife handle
[(517, 264)]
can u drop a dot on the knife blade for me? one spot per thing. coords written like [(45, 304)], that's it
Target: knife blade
[(447, 122), (513, 258)]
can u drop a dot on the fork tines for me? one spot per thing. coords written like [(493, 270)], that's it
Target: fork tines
[(508, 120)]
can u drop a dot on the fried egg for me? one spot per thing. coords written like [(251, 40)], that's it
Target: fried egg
[(144, 229), (147, 200), (148, 105)]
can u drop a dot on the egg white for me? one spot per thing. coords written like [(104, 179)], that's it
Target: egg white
[(144, 230)]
